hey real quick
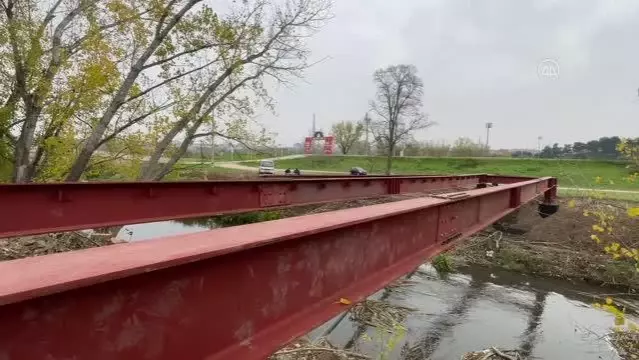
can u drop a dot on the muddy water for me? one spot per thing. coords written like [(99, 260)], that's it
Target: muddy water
[(478, 309), (467, 311)]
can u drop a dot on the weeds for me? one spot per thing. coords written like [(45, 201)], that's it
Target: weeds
[(443, 263), (246, 218)]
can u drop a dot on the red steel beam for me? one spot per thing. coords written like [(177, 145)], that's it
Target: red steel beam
[(232, 293), (27, 209)]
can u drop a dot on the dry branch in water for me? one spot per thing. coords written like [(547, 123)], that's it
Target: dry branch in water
[(626, 343), (492, 354), (379, 314), (319, 350)]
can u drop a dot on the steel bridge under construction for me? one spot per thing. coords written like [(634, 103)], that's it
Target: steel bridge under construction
[(240, 292)]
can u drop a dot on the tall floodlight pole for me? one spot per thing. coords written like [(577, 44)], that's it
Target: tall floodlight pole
[(489, 126), (539, 146)]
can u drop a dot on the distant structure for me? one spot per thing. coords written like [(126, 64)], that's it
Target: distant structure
[(318, 136), (489, 126), (313, 129)]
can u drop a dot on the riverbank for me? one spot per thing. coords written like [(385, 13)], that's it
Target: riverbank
[(559, 247)]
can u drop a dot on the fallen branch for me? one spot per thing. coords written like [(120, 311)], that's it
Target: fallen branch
[(499, 353), (323, 349)]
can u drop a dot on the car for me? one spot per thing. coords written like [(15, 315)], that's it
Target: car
[(358, 171), (267, 167)]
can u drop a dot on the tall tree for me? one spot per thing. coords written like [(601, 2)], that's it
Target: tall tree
[(84, 83), (347, 133), (397, 107), (593, 148)]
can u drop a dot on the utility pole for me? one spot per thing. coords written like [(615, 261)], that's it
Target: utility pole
[(367, 122), (313, 130)]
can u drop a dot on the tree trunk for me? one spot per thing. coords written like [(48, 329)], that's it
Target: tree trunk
[(25, 142), (389, 160)]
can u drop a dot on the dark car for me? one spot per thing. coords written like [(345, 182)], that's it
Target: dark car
[(358, 171)]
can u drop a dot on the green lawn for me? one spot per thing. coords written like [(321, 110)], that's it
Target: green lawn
[(571, 173), (203, 171), (227, 156)]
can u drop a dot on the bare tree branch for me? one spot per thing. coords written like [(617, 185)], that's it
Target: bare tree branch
[(134, 121), (166, 81), (180, 54), (398, 105)]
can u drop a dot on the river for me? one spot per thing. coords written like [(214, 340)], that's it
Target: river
[(476, 309), (468, 311)]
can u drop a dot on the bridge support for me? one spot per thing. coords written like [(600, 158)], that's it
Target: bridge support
[(234, 293)]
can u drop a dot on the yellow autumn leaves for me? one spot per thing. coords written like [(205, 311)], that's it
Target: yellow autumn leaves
[(633, 211), (603, 228), (620, 315)]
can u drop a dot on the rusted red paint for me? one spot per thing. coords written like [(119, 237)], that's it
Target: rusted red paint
[(28, 209), (233, 293)]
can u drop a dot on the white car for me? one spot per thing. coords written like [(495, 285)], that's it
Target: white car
[(267, 167)]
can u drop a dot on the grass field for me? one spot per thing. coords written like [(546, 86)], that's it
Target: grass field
[(571, 173), (227, 156)]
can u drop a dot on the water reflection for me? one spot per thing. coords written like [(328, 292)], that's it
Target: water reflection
[(529, 337), (543, 319), (153, 230), (444, 324)]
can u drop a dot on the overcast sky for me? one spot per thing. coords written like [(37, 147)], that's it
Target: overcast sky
[(480, 62)]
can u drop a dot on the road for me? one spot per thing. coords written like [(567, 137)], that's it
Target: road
[(237, 165)]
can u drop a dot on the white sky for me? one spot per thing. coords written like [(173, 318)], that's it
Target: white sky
[(479, 62)]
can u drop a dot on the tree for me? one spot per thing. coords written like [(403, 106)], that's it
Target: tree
[(592, 147), (464, 146), (347, 133), (567, 150), (84, 83), (608, 146), (546, 152), (397, 107), (579, 148)]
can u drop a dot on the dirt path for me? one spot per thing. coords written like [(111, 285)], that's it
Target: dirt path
[(237, 165), (602, 190)]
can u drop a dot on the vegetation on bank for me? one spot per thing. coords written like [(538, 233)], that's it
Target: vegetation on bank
[(559, 246)]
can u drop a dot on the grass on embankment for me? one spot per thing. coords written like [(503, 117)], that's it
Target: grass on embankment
[(571, 173)]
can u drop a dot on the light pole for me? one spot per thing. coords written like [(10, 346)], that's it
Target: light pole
[(489, 126), (367, 121)]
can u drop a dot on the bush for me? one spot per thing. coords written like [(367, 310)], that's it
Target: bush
[(443, 264), (246, 218)]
